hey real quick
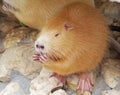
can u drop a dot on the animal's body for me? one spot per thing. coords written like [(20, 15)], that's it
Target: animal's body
[(81, 47), (74, 41), (35, 13)]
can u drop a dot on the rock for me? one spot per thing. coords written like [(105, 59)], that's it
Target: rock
[(21, 35), (111, 54), (59, 92), (98, 3), (116, 22), (0, 7), (87, 93), (4, 73), (6, 27), (116, 34), (33, 35), (118, 39), (11, 89), (111, 92), (15, 37), (111, 72), (45, 73), (44, 84), (111, 10), (19, 58), (115, 1), (73, 81)]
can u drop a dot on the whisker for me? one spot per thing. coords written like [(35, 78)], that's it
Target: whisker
[(58, 53), (55, 55)]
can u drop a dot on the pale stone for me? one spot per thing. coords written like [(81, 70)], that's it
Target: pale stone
[(110, 10), (4, 73), (111, 92), (44, 83), (5, 27), (10, 89), (87, 93), (111, 72), (115, 1), (45, 73), (59, 92), (15, 37), (73, 81), (19, 58)]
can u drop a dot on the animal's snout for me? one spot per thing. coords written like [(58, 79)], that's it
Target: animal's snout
[(40, 46)]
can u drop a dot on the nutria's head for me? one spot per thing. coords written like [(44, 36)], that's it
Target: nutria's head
[(19, 5), (12, 5), (56, 39)]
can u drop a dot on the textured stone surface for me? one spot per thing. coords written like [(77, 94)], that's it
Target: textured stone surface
[(115, 1), (6, 27), (12, 88), (111, 10), (19, 36), (18, 58), (59, 92), (43, 84), (4, 73), (118, 39), (111, 92), (111, 72)]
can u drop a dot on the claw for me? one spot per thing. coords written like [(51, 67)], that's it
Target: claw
[(40, 58), (85, 83)]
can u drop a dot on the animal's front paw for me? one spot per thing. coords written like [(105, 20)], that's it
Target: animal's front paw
[(62, 79), (40, 58)]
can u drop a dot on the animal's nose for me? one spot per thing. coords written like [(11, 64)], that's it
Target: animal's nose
[(40, 46)]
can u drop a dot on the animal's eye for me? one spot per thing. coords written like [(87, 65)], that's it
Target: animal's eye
[(56, 35)]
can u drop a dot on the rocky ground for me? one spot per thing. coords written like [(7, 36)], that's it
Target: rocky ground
[(20, 75)]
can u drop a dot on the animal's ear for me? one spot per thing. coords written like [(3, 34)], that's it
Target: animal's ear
[(68, 26)]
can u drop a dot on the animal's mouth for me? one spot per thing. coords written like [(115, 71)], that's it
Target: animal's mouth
[(8, 7)]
